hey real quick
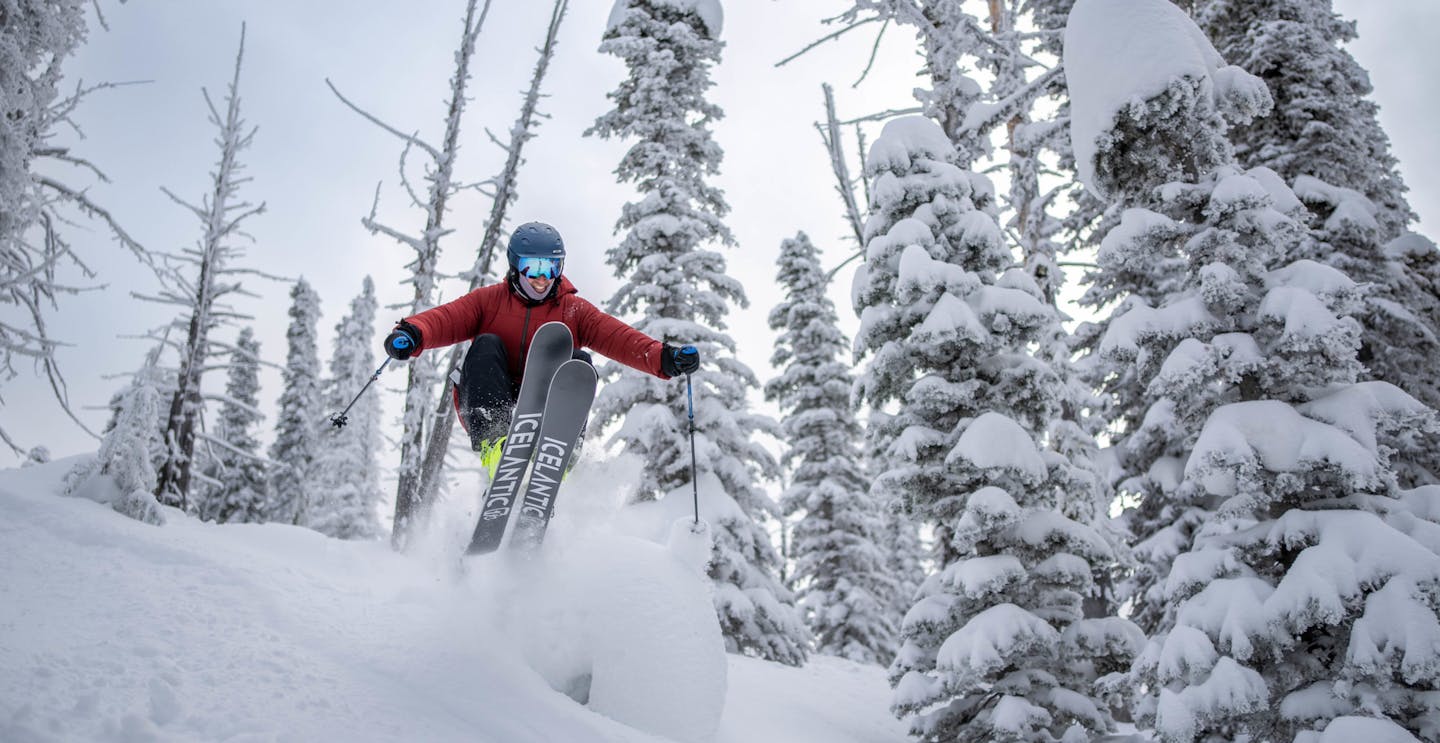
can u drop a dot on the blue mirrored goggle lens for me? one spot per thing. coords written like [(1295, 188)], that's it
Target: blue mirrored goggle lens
[(534, 268)]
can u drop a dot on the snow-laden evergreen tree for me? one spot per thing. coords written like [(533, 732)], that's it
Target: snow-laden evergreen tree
[(122, 473), (1141, 267), (840, 569), (37, 37), (899, 535), (997, 646), (346, 475), (199, 280), (1413, 263), (1288, 582), (242, 488), (953, 44), (904, 551), (301, 419), (420, 411), (1324, 138), (1400, 324), (675, 279), (1324, 123), (1032, 142)]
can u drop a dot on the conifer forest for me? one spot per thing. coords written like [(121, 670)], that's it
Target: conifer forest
[(1074, 365)]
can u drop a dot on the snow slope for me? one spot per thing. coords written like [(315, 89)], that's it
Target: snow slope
[(115, 630)]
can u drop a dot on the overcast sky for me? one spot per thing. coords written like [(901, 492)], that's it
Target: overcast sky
[(316, 164)]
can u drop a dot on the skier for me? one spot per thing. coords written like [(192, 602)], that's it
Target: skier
[(500, 319)]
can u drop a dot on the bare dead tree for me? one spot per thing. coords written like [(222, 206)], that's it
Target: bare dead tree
[(832, 135), (503, 195), (424, 273), (36, 207), (201, 280)]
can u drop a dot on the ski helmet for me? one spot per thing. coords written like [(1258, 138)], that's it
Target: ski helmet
[(535, 250)]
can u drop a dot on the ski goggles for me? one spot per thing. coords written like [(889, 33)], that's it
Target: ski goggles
[(540, 268)]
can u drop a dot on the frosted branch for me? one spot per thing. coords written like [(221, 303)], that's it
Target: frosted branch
[(95, 210), (828, 37), (412, 139), (833, 138)]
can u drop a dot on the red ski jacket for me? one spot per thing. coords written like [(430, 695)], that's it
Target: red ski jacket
[(496, 309)]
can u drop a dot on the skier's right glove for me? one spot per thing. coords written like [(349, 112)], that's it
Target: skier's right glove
[(676, 361), (403, 341)]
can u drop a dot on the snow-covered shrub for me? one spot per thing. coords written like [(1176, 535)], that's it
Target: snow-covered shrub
[(122, 473)]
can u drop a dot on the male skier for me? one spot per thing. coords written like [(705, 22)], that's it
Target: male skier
[(500, 319)]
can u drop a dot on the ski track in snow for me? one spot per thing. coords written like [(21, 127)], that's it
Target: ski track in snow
[(114, 630)]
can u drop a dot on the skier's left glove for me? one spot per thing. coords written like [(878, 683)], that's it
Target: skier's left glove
[(682, 360), (403, 341)]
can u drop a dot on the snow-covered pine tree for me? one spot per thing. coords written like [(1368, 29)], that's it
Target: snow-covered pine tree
[(1030, 139), (842, 573), (997, 646), (240, 471), (1400, 317), (676, 281), (122, 473), (904, 551), (899, 535), (1183, 143), (301, 418), (37, 37), (346, 474), (203, 294), (1324, 123), (1324, 138), (420, 408), (1293, 592)]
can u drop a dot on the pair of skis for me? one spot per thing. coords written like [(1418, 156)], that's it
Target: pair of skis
[(555, 397)]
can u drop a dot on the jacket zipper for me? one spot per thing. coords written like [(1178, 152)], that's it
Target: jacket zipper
[(524, 339)]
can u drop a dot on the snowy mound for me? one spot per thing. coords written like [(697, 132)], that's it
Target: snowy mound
[(623, 626), (116, 630)]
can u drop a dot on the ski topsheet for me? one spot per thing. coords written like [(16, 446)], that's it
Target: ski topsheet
[(551, 346), (566, 409)]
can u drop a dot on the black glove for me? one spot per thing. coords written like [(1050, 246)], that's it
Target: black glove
[(403, 341), (676, 361)]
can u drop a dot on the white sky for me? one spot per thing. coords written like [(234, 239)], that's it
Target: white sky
[(316, 164)]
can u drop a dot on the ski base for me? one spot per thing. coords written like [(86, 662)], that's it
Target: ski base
[(567, 406), (550, 348)]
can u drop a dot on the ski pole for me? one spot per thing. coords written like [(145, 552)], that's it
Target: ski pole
[(339, 420), (694, 481)]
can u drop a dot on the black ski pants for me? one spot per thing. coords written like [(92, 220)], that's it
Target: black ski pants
[(485, 395)]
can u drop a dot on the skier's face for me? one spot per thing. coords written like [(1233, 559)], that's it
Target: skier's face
[(540, 284)]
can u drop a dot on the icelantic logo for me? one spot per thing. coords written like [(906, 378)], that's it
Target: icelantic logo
[(512, 466), (545, 478)]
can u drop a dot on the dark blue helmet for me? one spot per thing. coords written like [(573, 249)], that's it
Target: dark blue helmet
[(536, 249)]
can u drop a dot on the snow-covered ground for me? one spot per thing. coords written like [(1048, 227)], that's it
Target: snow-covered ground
[(111, 629)]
